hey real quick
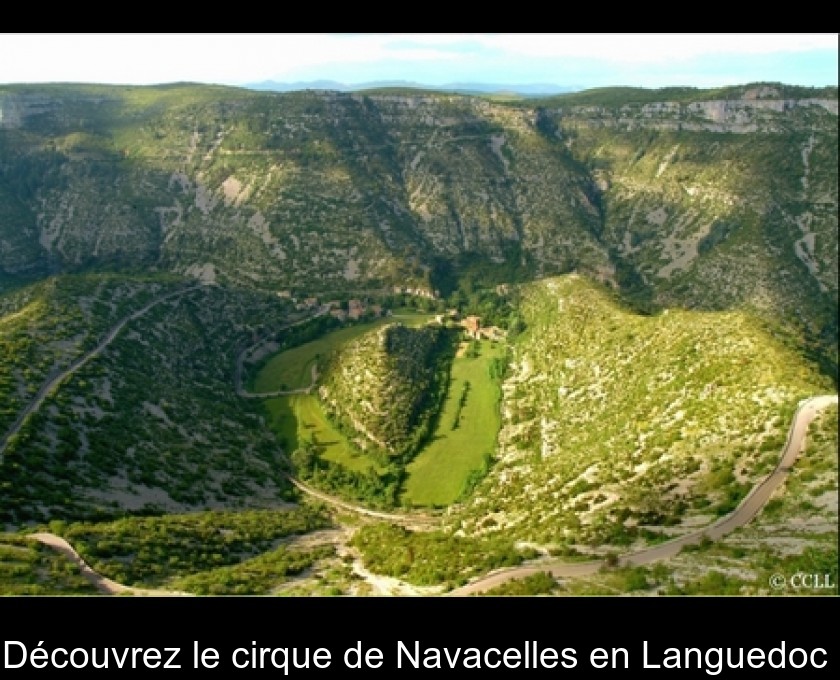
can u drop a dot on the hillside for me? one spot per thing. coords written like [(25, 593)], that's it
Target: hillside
[(152, 422), (722, 203), (382, 389), (713, 199), (216, 302), (620, 428)]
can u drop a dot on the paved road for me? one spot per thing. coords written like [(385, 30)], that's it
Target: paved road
[(411, 520), (103, 584), (52, 383), (745, 512), (237, 375), (748, 508)]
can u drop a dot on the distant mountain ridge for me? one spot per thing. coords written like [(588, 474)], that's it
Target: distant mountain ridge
[(523, 89)]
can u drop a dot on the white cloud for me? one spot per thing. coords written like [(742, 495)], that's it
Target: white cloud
[(241, 58), (151, 58)]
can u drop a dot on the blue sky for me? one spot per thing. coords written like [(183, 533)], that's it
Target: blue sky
[(579, 60)]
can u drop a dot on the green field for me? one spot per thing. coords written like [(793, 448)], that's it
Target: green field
[(440, 472), (292, 369), (299, 416), (437, 476)]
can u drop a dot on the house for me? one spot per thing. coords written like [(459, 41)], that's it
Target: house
[(492, 333), (472, 326), (355, 309)]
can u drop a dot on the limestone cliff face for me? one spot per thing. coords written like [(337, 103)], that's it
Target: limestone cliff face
[(721, 200), (737, 116), (16, 108), (311, 189)]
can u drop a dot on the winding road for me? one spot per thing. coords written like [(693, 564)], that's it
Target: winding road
[(410, 520), (52, 383), (102, 583), (240, 359), (744, 513), (746, 510)]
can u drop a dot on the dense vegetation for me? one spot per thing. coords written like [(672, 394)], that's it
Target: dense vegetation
[(184, 230), (540, 583), (384, 388), (434, 557), (379, 362), (193, 551), (30, 568)]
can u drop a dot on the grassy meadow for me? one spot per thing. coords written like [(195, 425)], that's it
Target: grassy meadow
[(292, 368), (465, 435), (299, 417)]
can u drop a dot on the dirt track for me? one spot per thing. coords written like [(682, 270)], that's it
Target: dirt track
[(410, 520)]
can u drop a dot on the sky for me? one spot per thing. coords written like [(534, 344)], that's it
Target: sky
[(568, 60)]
